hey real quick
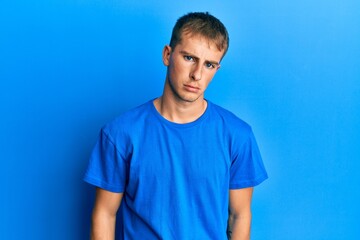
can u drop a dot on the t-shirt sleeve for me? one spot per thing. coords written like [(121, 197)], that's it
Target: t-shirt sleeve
[(107, 167), (247, 168)]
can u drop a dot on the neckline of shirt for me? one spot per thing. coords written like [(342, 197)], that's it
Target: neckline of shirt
[(180, 125)]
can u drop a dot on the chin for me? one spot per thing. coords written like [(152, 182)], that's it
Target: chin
[(190, 99)]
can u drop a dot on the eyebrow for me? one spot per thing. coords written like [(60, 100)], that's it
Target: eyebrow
[(192, 55)]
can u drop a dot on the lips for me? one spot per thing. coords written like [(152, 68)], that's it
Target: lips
[(191, 88)]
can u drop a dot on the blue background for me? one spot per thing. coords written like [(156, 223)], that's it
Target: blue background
[(292, 72)]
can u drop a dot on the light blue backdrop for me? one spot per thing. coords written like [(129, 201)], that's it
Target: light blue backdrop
[(292, 72)]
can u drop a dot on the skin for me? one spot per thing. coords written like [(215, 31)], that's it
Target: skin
[(239, 221), (191, 66), (104, 214)]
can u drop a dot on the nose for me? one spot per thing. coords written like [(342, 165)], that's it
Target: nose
[(196, 72)]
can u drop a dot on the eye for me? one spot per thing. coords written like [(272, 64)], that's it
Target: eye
[(189, 58), (209, 65)]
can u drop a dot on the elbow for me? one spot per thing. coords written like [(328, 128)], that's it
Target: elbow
[(240, 215)]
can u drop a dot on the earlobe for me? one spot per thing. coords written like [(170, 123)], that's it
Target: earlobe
[(166, 55)]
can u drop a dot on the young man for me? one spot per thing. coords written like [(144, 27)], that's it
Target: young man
[(178, 166)]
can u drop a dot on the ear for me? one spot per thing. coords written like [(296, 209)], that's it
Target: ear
[(166, 55)]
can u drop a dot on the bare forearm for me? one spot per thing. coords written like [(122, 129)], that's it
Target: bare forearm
[(103, 227), (239, 227)]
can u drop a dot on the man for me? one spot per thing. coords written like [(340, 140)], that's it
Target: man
[(178, 166)]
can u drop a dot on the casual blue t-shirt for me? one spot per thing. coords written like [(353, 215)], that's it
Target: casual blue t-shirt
[(175, 177)]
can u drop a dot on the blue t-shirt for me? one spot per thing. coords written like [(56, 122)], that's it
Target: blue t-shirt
[(175, 177)]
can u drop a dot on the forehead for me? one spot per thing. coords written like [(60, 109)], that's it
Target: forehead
[(198, 44)]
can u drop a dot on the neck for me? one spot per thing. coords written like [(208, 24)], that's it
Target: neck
[(180, 111)]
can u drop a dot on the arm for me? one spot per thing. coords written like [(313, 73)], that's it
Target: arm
[(104, 214), (239, 214)]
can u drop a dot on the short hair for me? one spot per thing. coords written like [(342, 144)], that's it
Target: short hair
[(203, 24)]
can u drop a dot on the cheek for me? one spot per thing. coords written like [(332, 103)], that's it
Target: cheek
[(178, 70), (209, 77), (207, 84)]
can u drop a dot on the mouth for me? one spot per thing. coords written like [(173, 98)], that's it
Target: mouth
[(191, 88)]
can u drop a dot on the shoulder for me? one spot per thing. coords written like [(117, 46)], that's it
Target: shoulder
[(128, 121), (229, 119)]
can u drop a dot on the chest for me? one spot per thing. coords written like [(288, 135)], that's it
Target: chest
[(180, 158)]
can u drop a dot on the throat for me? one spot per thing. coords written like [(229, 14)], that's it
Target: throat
[(180, 113)]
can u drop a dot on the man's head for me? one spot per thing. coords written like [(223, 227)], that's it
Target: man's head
[(199, 42), (201, 24)]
